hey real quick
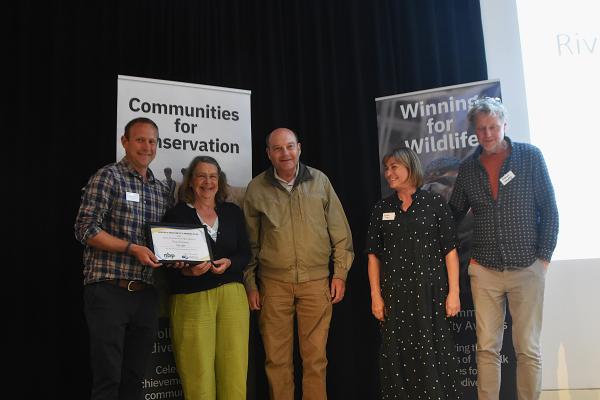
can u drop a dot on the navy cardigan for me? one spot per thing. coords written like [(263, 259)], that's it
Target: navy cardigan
[(232, 243)]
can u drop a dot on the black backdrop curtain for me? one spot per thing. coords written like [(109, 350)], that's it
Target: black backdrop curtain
[(312, 65)]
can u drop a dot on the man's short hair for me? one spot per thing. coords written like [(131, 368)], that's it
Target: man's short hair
[(270, 133), (139, 120), (486, 105)]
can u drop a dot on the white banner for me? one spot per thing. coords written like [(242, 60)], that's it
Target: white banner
[(192, 120)]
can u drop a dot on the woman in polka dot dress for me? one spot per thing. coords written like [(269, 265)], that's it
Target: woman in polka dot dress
[(413, 273)]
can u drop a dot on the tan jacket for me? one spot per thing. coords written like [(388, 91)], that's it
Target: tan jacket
[(293, 235)]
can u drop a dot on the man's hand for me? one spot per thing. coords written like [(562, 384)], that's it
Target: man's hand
[(144, 255), (338, 288), (254, 300)]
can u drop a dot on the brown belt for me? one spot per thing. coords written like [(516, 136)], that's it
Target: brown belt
[(131, 286)]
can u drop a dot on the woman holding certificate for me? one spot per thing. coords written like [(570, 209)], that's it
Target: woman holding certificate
[(413, 273), (209, 308)]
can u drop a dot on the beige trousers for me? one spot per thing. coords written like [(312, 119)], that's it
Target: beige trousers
[(310, 302), (523, 289)]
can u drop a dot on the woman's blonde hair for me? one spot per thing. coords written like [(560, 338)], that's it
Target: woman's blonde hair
[(410, 160)]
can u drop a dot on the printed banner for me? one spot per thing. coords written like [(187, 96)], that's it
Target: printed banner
[(192, 120), (434, 124)]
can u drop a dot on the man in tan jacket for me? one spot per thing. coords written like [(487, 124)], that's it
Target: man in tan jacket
[(296, 226)]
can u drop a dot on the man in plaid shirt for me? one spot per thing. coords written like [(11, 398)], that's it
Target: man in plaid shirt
[(120, 303)]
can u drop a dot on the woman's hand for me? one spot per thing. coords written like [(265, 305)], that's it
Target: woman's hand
[(378, 307), (197, 270), (178, 265), (220, 265), (452, 304)]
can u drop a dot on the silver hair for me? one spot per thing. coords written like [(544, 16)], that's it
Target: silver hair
[(486, 105)]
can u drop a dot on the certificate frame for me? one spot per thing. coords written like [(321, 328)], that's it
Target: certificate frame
[(166, 246)]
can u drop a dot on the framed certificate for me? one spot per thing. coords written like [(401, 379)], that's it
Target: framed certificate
[(179, 242)]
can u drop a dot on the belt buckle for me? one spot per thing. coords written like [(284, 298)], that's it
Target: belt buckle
[(129, 289)]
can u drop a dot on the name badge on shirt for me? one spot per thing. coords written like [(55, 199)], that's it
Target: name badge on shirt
[(129, 196), (389, 216), (507, 177)]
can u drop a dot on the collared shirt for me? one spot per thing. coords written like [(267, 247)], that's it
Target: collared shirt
[(287, 185), (118, 201), (522, 223)]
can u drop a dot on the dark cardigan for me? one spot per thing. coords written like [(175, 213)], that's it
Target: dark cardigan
[(232, 243)]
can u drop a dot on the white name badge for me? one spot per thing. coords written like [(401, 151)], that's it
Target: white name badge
[(129, 196), (507, 177), (389, 216)]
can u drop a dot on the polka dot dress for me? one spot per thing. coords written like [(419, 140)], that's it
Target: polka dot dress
[(417, 357)]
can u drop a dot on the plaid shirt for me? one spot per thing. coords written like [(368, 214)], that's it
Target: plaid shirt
[(105, 207), (522, 223)]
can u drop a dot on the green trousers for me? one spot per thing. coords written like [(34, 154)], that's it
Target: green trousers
[(210, 342)]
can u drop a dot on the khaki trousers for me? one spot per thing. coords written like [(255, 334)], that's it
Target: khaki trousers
[(310, 302), (524, 290)]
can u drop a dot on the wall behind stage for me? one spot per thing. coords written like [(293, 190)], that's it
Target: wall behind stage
[(311, 65)]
